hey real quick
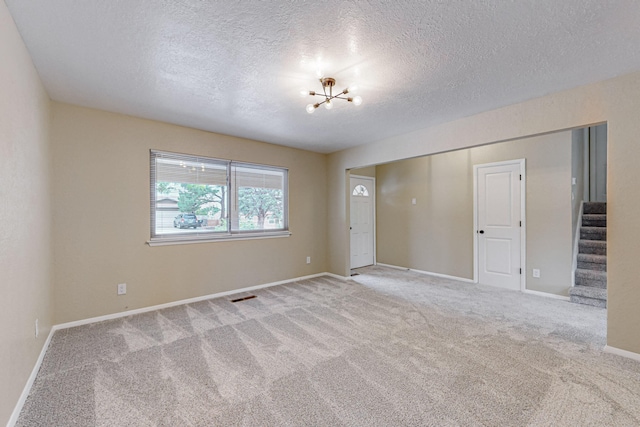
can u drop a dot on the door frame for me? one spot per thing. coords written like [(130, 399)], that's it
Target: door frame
[(523, 214), (373, 218)]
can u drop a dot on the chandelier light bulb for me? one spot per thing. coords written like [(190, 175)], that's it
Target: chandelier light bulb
[(310, 108), (353, 89), (328, 105), (357, 100), (304, 93)]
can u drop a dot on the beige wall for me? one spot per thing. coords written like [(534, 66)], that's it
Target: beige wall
[(436, 234), (101, 218), (613, 101), (431, 235), (369, 171), (25, 215)]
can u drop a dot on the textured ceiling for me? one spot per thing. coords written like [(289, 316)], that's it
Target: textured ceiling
[(237, 67)]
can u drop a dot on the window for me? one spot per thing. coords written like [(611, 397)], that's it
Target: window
[(360, 190), (196, 198)]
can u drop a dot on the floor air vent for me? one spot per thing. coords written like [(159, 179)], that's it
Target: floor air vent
[(243, 298)]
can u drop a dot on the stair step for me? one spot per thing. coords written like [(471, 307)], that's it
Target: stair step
[(593, 233), (587, 295), (591, 266), (592, 262), (588, 292), (592, 258), (594, 208), (591, 278), (591, 275), (596, 247), (594, 302), (594, 220)]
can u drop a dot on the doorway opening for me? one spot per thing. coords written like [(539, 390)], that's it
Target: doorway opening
[(589, 216), (425, 213)]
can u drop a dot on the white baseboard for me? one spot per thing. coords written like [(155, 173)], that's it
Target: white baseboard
[(623, 353), (463, 279), (392, 266), (185, 301), (336, 276), (27, 387), (546, 295), (428, 273)]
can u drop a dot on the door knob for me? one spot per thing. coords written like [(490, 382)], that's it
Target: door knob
[(481, 231)]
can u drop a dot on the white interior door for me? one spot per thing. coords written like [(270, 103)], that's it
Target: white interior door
[(499, 206), (362, 232)]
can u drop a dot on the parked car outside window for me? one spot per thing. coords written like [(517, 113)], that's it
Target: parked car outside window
[(186, 221)]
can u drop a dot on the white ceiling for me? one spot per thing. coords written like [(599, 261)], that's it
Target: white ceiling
[(237, 67)]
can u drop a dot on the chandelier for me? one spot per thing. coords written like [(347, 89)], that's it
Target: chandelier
[(327, 86)]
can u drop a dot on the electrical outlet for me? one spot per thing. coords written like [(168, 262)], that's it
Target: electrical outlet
[(308, 260), (37, 329), (413, 201), (536, 273), (122, 288)]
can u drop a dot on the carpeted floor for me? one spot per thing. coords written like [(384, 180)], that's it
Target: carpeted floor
[(389, 348)]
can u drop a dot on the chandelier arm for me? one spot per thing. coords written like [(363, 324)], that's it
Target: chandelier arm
[(328, 97)]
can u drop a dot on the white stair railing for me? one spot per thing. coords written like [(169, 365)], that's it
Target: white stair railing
[(576, 245)]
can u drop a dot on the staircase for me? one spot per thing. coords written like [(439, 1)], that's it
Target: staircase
[(591, 275)]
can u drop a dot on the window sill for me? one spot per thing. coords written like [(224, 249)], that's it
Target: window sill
[(187, 240)]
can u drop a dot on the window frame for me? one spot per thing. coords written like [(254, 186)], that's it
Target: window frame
[(230, 199)]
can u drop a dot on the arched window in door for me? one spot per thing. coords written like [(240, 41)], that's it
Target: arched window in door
[(360, 190)]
